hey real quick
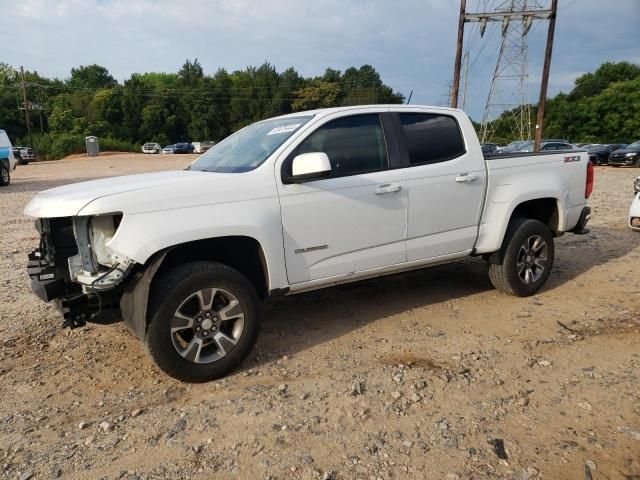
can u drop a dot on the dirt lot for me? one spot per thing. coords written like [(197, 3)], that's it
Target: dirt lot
[(412, 376)]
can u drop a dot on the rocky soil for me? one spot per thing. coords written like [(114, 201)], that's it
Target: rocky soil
[(431, 374)]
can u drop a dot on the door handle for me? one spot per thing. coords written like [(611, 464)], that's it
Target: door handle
[(466, 178), (387, 188)]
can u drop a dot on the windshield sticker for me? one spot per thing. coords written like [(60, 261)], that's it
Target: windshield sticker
[(284, 129)]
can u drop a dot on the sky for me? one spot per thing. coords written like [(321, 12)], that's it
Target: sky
[(410, 42)]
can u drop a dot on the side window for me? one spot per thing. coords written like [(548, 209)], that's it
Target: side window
[(353, 144), (431, 138)]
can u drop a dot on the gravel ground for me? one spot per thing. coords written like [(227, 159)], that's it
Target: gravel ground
[(431, 374)]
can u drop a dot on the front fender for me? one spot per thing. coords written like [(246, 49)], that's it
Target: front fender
[(141, 235)]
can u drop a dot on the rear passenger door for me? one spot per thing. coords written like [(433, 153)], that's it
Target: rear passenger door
[(445, 184)]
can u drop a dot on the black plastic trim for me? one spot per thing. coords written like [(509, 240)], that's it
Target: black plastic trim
[(580, 228), (278, 292)]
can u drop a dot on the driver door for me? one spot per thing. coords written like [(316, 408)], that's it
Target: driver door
[(356, 218)]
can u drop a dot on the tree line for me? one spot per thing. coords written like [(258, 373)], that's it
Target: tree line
[(170, 107), (603, 107)]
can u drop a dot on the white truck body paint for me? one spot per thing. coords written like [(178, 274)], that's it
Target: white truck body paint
[(332, 230)]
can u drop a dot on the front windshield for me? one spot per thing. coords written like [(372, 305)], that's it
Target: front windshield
[(634, 145), (248, 148)]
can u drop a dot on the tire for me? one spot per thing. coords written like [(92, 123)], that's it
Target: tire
[(526, 263), (194, 296), (5, 176)]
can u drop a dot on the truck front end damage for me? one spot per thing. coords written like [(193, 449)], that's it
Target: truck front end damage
[(74, 266)]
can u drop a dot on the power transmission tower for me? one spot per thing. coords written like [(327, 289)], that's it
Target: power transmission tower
[(508, 92), (509, 86)]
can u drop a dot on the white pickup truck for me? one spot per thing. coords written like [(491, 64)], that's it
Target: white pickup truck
[(292, 204)]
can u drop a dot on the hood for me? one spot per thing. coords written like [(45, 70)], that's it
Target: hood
[(152, 192), (68, 200)]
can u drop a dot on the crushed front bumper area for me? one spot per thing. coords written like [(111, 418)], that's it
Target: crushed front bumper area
[(75, 306), (44, 280), (48, 268)]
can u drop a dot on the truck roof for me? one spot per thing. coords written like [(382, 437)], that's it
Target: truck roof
[(328, 111)]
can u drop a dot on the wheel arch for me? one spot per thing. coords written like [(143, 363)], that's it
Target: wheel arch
[(547, 210), (242, 253)]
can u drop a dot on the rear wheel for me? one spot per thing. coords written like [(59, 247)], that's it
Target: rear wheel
[(527, 258), (204, 320), (5, 177)]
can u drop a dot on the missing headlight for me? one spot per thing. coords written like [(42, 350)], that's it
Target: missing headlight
[(102, 229)]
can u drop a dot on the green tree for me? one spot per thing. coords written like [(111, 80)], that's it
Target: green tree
[(91, 76)]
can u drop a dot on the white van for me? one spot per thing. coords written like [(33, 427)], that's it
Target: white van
[(7, 160)]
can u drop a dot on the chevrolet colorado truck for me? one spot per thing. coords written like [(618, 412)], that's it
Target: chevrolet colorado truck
[(291, 204)]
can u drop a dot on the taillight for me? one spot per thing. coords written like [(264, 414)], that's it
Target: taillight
[(588, 190)]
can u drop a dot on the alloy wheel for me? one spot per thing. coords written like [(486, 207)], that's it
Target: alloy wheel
[(532, 259), (207, 325)]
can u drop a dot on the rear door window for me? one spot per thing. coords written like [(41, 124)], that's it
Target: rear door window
[(431, 138)]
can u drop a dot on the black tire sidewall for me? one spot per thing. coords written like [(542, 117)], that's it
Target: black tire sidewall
[(521, 230), (171, 291), (2, 182)]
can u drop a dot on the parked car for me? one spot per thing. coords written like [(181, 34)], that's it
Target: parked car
[(488, 148), (201, 147), (168, 149), (513, 146), (546, 146), (151, 148), (628, 156), (7, 159), (183, 147), (206, 145), (291, 204), (527, 145), (23, 155), (636, 186), (599, 153)]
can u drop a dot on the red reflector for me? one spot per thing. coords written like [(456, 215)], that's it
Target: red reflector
[(588, 190)]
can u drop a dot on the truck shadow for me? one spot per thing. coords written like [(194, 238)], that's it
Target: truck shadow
[(294, 324)]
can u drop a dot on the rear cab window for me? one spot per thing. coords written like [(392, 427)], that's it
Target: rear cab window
[(431, 137)]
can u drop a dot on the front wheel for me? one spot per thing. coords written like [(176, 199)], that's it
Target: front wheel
[(203, 321), (527, 258)]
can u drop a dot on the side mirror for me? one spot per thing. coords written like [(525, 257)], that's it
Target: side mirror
[(310, 166)]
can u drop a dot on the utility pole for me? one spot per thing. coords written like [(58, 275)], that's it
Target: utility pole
[(457, 65), (466, 76), (26, 106), (545, 74), (516, 18), (409, 99), (40, 104)]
